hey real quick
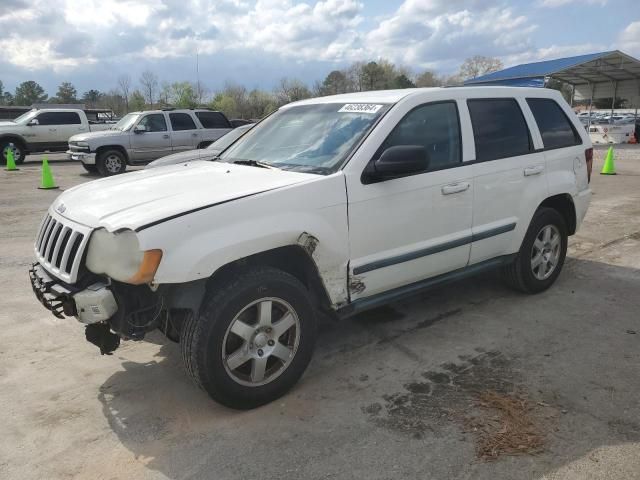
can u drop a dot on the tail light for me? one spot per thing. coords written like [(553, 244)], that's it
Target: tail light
[(588, 156)]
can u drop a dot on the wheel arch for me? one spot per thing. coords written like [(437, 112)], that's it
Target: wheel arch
[(12, 137), (292, 259), (563, 204), (100, 150)]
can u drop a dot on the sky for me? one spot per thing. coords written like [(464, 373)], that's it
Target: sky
[(256, 42)]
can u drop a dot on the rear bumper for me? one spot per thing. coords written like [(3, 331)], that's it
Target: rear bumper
[(93, 304), (86, 158)]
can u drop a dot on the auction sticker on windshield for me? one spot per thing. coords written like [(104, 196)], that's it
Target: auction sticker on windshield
[(360, 108)]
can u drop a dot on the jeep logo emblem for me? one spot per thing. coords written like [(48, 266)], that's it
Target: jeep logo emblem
[(61, 208)]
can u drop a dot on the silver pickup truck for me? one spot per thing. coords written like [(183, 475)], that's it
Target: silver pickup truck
[(140, 137)]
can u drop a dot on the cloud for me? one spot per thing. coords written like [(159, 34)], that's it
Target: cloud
[(629, 39), (432, 34), (562, 3)]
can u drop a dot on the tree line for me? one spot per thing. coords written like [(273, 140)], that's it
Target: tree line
[(236, 100)]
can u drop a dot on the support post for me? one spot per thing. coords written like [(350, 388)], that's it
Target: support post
[(613, 100), (590, 106)]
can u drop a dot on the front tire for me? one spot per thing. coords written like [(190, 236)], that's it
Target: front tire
[(19, 153), (90, 168), (253, 339), (111, 162), (541, 255)]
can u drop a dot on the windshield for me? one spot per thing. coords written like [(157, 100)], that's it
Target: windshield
[(126, 122), (25, 117), (306, 138)]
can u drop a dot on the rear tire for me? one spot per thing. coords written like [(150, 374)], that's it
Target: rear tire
[(541, 255), (19, 152), (253, 339), (90, 168), (111, 162)]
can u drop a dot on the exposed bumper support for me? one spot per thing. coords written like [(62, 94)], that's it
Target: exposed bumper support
[(94, 304)]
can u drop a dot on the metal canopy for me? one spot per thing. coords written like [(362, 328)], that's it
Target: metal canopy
[(613, 66)]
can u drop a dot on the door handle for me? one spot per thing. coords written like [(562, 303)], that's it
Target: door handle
[(53, 130), (194, 134), (535, 170), (165, 136), (455, 188)]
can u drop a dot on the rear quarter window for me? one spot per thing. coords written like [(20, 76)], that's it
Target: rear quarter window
[(499, 128), (555, 127), (213, 120)]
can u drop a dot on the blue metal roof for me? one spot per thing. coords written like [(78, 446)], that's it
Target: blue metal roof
[(536, 69)]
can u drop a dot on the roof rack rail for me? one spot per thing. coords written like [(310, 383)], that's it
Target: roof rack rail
[(168, 109)]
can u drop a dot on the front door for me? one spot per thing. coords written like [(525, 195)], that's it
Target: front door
[(404, 230), (154, 141)]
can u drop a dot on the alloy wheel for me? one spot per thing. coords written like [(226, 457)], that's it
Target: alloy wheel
[(261, 341), (545, 253)]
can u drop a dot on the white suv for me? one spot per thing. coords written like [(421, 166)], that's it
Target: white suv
[(336, 204)]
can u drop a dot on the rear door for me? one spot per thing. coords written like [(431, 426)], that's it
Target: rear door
[(509, 175), (54, 129), (185, 135), (154, 142), (70, 124), (216, 124)]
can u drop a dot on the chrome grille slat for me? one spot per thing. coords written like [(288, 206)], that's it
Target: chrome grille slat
[(60, 245), (47, 248), (43, 227), (67, 251)]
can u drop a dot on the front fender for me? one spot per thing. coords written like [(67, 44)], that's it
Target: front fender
[(198, 244)]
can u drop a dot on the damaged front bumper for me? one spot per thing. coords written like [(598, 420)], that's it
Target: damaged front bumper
[(93, 304), (110, 310)]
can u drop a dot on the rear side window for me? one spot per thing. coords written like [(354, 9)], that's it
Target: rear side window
[(434, 126), (499, 128), (182, 121), (556, 129), (213, 120), (59, 118)]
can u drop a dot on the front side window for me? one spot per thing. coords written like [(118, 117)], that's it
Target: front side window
[(181, 121), (154, 122), (554, 126), (499, 128), (126, 122), (314, 138), (434, 126)]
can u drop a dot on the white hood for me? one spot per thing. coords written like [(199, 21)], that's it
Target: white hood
[(139, 198)]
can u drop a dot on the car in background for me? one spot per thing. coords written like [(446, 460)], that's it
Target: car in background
[(208, 153), (141, 137), (44, 130)]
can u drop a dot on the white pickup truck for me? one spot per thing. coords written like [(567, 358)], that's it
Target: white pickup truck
[(41, 130), (336, 204)]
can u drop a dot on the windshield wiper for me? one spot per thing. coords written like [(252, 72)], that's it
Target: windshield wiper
[(254, 163)]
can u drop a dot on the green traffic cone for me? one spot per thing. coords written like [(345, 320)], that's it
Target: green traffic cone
[(11, 161), (47, 182), (608, 168)]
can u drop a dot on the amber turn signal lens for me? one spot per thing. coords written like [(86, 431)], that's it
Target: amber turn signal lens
[(148, 268)]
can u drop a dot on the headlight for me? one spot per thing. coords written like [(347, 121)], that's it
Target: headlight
[(82, 144), (118, 256)]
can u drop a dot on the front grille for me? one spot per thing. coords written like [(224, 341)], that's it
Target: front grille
[(60, 245)]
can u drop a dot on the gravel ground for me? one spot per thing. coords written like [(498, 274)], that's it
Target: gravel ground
[(393, 393)]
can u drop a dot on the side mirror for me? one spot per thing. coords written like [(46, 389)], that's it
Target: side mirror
[(139, 129), (33, 122), (398, 161)]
